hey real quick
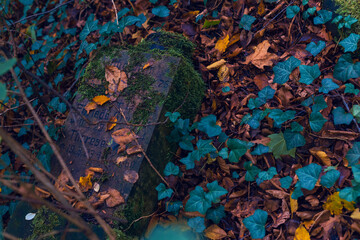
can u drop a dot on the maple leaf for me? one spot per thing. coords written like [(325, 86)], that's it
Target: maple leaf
[(261, 57), (222, 44), (100, 100), (85, 182)]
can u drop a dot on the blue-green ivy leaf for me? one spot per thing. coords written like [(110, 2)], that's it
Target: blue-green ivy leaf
[(256, 103), (266, 93), (256, 223), (286, 182), (161, 11), (225, 89), (205, 146), (278, 147), (282, 70), (26, 127), (319, 103), (251, 171), (246, 22), (89, 27), (353, 155), (189, 163), (122, 12), (260, 149), (323, 17), (297, 191), (293, 139), (197, 224), (58, 78), (349, 194), (208, 125), (350, 43), (5, 160), (174, 207), (296, 127), (266, 175), (341, 117), (197, 201), (7, 65), (317, 121), (224, 153), (304, 2), (171, 169), (215, 192), (327, 85), (356, 172), (163, 192), (314, 48), (350, 88), (235, 175), (328, 180), (355, 111), (185, 142), (3, 91), (291, 11), (216, 214), (337, 19), (349, 21), (309, 73), (346, 69), (238, 149), (308, 175), (309, 12), (280, 117)]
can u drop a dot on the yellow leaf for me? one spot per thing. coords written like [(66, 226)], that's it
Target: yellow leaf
[(215, 232), (356, 214), (322, 156), (216, 65), (301, 233), (222, 44), (85, 182), (335, 204), (261, 8), (146, 66), (90, 106), (111, 125), (123, 136), (223, 73), (100, 100), (293, 204)]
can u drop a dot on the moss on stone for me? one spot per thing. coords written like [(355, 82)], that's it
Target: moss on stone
[(44, 222)]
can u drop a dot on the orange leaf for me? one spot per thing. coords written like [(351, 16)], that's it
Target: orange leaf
[(261, 8), (85, 182), (112, 76), (115, 198), (123, 81), (301, 233), (123, 136), (100, 100), (215, 232), (111, 125), (90, 106), (222, 44), (261, 57)]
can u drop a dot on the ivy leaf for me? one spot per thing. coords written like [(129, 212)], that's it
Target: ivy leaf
[(224, 153), (286, 182), (5, 160), (309, 12), (346, 69), (293, 139), (174, 207), (254, 120), (309, 73), (349, 21), (314, 48), (350, 43), (171, 169), (355, 111), (3, 91), (308, 175), (197, 224), (349, 194), (89, 27), (251, 171), (208, 125), (161, 11), (319, 103), (291, 11), (256, 223), (317, 121), (327, 85), (197, 201), (188, 161), (297, 191), (163, 192), (172, 116), (246, 22), (356, 172), (205, 147), (296, 127), (337, 19), (216, 214), (266, 93), (280, 117), (282, 70), (304, 2), (350, 88), (278, 147), (7, 65), (256, 103), (215, 192), (185, 143), (266, 175), (238, 148), (260, 149), (328, 180), (353, 155), (323, 17), (341, 117)]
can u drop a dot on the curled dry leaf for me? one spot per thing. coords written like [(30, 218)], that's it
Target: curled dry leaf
[(321, 155), (223, 73), (100, 100), (131, 176), (96, 169), (115, 198), (111, 124), (134, 149), (121, 159), (41, 192), (90, 106), (216, 65), (123, 136), (215, 232), (61, 181), (261, 57)]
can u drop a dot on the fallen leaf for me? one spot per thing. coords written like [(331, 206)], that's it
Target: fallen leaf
[(131, 176), (223, 73), (216, 64), (321, 155), (123, 82), (112, 76), (85, 182), (301, 233), (115, 198), (100, 100), (293, 204), (335, 204), (96, 169), (261, 8), (261, 57), (133, 150), (222, 44), (90, 106), (111, 124), (121, 159), (123, 136), (355, 214), (94, 82), (61, 181), (215, 232), (277, 193)]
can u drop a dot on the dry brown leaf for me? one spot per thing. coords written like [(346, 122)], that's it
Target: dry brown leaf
[(215, 232), (277, 193), (133, 150), (111, 124), (123, 136), (121, 159), (61, 181), (100, 100), (261, 8), (131, 176), (90, 106), (223, 73), (222, 44), (216, 64), (96, 169), (115, 198), (261, 57), (123, 82), (321, 155), (112, 76)]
